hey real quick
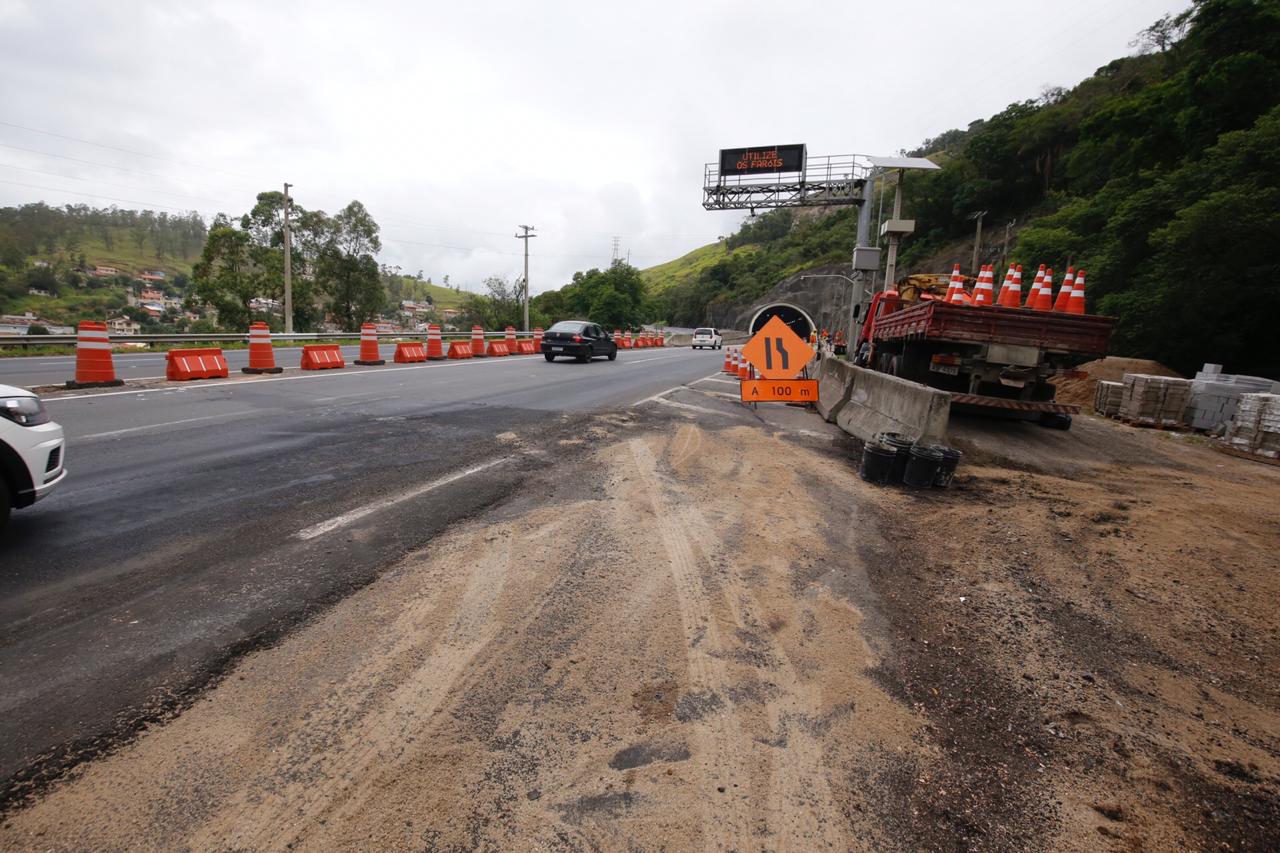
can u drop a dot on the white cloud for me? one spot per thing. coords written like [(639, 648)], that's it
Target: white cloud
[(454, 122)]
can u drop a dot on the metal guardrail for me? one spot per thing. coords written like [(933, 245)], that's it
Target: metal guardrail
[(26, 341)]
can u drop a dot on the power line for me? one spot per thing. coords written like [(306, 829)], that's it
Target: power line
[(96, 195), (106, 183), (102, 165)]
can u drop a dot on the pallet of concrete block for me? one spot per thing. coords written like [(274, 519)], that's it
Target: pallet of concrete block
[(1255, 429), (1106, 397), (1214, 396), (1159, 401)]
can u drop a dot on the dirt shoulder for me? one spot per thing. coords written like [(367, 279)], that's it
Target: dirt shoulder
[(708, 633)]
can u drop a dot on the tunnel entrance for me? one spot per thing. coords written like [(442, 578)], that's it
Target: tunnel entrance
[(794, 317)]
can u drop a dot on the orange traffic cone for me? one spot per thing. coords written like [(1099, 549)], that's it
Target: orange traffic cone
[(435, 344), (1076, 303), (952, 284), (511, 340), (1015, 289), (94, 368), (477, 342), (744, 369), (983, 294), (1044, 297), (1064, 295), (728, 360), (262, 358), (1034, 295), (369, 354)]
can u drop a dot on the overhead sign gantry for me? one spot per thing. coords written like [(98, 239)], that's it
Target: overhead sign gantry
[(740, 179)]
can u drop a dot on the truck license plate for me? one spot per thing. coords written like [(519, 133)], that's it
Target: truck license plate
[(949, 369), (557, 349)]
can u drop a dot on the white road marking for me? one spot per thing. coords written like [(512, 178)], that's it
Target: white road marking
[(678, 405), (734, 382), (657, 398), (368, 509), (654, 358), (115, 432)]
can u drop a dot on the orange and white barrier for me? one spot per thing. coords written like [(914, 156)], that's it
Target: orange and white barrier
[(527, 348), (477, 342), (497, 348), (262, 358), (94, 368), (511, 339), (369, 354), (410, 352), (728, 360), (184, 364), (460, 349), (984, 290), (322, 357), (625, 343), (537, 339), (435, 344), (744, 369)]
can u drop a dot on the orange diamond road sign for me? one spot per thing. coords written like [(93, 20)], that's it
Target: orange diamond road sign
[(776, 352)]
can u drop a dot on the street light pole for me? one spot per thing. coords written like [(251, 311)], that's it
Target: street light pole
[(288, 268), (526, 237)]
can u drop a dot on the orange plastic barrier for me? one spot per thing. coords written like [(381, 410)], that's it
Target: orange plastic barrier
[(527, 348), (497, 348), (322, 357), (537, 339), (744, 369), (262, 358), (660, 340), (435, 344), (410, 352), (94, 368), (369, 354), (511, 339), (625, 343), (183, 364), (477, 342), (460, 349)]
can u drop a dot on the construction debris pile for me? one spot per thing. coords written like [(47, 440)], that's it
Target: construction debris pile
[(1154, 400), (1256, 426), (1215, 395)]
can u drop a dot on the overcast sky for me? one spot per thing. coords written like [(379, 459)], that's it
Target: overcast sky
[(455, 121)]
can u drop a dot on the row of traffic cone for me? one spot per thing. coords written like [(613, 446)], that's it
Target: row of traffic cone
[(736, 365), (1070, 298)]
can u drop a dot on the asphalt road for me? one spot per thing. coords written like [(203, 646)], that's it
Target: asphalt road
[(29, 371), (201, 521)]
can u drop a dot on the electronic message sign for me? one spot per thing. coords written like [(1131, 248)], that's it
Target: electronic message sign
[(755, 161)]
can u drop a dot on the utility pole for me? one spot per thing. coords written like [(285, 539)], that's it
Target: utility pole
[(288, 269), (526, 236), (977, 241)]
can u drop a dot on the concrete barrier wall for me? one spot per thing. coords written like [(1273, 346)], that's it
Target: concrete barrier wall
[(865, 403)]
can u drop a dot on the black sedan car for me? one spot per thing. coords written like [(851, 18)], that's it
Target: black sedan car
[(578, 338)]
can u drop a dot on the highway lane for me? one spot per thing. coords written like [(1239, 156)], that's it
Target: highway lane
[(201, 521)]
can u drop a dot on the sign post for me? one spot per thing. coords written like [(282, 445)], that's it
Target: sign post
[(779, 355)]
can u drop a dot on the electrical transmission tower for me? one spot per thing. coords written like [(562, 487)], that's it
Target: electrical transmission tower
[(617, 247)]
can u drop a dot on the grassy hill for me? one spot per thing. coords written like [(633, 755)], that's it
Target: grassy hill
[(687, 267), (124, 254)]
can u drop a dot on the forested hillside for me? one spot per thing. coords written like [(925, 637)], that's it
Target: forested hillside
[(1159, 174)]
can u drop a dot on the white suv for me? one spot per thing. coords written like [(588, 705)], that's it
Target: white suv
[(706, 338), (31, 451)]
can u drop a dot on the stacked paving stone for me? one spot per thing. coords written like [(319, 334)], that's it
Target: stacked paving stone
[(1154, 400), (1107, 396), (1256, 425), (1214, 395)]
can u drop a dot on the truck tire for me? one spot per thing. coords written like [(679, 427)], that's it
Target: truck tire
[(1055, 420)]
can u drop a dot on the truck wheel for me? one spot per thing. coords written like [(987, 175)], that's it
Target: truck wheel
[(549, 356), (1055, 420)]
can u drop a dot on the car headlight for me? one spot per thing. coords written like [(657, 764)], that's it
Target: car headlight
[(24, 411)]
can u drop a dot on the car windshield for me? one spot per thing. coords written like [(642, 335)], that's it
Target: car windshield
[(707, 332), (567, 326)]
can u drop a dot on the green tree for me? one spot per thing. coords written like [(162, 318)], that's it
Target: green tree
[(347, 270), (225, 276)]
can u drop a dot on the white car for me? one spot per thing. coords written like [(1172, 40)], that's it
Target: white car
[(31, 451), (707, 338)]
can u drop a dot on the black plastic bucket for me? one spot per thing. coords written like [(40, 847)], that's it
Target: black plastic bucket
[(947, 470), (877, 462), (922, 467), (902, 448)]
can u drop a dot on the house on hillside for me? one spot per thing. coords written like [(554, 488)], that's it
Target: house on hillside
[(123, 326), (104, 272), (151, 275), (154, 310), (150, 294)]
